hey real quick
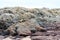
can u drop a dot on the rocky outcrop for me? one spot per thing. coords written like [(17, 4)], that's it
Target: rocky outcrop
[(25, 28), (19, 21)]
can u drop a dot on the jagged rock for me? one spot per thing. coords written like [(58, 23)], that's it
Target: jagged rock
[(25, 28), (19, 21)]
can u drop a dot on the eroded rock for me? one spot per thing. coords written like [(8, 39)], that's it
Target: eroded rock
[(25, 27)]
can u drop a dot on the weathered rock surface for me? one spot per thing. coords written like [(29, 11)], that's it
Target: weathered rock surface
[(19, 21), (25, 28), (7, 19)]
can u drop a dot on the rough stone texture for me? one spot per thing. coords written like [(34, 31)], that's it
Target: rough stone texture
[(39, 24), (7, 19), (25, 28)]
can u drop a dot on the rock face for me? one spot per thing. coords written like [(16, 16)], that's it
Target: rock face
[(33, 22), (25, 27)]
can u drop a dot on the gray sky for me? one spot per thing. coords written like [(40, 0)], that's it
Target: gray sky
[(30, 3)]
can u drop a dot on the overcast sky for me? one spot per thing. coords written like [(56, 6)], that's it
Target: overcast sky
[(30, 3)]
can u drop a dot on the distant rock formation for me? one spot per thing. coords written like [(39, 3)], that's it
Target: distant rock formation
[(19, 20)]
